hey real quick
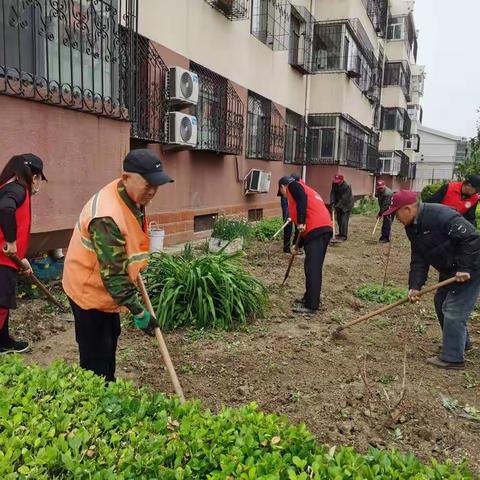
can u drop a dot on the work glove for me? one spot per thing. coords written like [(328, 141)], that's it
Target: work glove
[(146, 322)]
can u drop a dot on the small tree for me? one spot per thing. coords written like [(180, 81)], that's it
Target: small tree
[(471, 165)]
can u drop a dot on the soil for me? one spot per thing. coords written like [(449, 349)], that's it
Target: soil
[(292, 365)]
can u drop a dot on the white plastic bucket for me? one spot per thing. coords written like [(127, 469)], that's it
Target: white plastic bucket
[(156, 235)]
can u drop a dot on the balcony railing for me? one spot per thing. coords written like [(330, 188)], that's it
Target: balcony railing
[(231, 9), (220, 113), (295, 136), (396, 119), (70, 53), (271, 23), (265, 129)]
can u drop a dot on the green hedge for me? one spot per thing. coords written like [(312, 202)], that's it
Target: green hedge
[(63, 423), (429, 190)]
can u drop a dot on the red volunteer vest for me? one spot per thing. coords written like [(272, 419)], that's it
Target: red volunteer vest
[(317, 213), (453, 198), (23, 216)]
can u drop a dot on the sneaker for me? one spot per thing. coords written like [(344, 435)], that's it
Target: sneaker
[(15, 347), (384, 240), (299, 301), (439, 363), (304, 311)]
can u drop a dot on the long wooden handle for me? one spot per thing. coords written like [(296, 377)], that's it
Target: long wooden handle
[(38, 283), (333, 222), (376, 226), (161, 343), (281, 229), (394, 305), (292, 258)]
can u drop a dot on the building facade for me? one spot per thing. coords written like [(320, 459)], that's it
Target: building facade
[(232, 94)]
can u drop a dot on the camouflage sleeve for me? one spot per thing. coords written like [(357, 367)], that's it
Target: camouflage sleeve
[(109, 245)]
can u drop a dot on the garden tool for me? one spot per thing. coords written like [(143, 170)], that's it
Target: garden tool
[(161, 343), (333, 223), (366, 317), (292, 258), (372, 240), (281, 229), (39, 284)]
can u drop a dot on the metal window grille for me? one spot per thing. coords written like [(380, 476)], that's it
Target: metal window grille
[(377, 11), (322, 139), (220, 113), (391, 162), (399, 74), (372, 153), (231, 9), (265, 129), (271, 23), (145, 93), (301, 39), (70, 53), (396, 119), (295, 130)]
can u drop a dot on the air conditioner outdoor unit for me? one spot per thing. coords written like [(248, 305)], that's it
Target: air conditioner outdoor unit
[(183, 86), (182, 129), (257, 181)]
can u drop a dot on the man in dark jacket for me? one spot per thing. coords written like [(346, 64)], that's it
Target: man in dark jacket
[(309, 213), (384, 196), (461, 196), (341, 199), (440, 237)]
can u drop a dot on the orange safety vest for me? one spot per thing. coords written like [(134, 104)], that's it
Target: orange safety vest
[(81, 276), (453, 198), (317, 213)]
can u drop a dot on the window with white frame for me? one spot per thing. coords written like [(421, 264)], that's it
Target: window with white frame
[(396, 28)]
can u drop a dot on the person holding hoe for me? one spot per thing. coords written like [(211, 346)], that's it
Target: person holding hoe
[(384, 196), (461, 196), (440, 237), (312, 218), (108, 249), (341, 202), (19, 180)]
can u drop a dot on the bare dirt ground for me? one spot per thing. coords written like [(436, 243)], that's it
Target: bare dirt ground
[(292, 365)]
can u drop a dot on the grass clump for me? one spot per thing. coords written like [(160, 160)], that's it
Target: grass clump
[(374, 292), (230, 228), (266, 228)]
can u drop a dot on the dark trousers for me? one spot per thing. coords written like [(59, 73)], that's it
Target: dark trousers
[(315, 251), (287, 231), (8, 283), (342, 221), (5, 339), (96, 333), (453, 305), (386, 228)]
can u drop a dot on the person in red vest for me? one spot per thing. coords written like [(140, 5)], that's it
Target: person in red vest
[(312, 218), (19, 180), (461, 196)]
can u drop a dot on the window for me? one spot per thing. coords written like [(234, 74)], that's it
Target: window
[(301, 38), (294, 138), (220, 113), (265, 136), (413, 143), (327, 47), (396, 119), (201, 223), (321, 139), (255, 214), (271, 23), (396, 28)]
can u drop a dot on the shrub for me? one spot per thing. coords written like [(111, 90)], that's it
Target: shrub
[(374, 292), (209, 291), (266, 228), (366, 206), (230, 228), (429, 190), (65, 423)]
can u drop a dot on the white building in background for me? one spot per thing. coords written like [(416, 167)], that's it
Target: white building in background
[(439, 151)]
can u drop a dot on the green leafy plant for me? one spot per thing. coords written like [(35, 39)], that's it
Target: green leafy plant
[(374, 292), (64, 422), (429, 190), (209, 291), (230, 228), (366, 206), (266, 228)]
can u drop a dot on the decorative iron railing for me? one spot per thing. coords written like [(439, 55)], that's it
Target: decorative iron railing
[(295, 137), (231, 9), (220, 113), (265, 129)]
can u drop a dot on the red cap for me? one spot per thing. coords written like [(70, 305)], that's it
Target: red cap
[(401, 199), (338, 179), (380, 184)]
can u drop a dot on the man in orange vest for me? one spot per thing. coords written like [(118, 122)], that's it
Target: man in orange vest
[(108, 249), (312, 218), (461, 196)]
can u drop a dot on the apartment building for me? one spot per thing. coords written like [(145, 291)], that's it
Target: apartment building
[(232, 94)]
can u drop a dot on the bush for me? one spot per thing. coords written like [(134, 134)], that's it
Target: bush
[(266, 228), (366, 206), (209, 291), (429, 190), (230, 228), (65, 423), (374, 292)]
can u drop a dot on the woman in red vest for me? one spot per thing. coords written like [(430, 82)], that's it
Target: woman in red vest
[(461, 196), (19, 180)]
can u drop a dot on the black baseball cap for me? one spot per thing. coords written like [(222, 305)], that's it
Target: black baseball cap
[(474, 181), (35, 163), (147, 164), (285, 180)]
